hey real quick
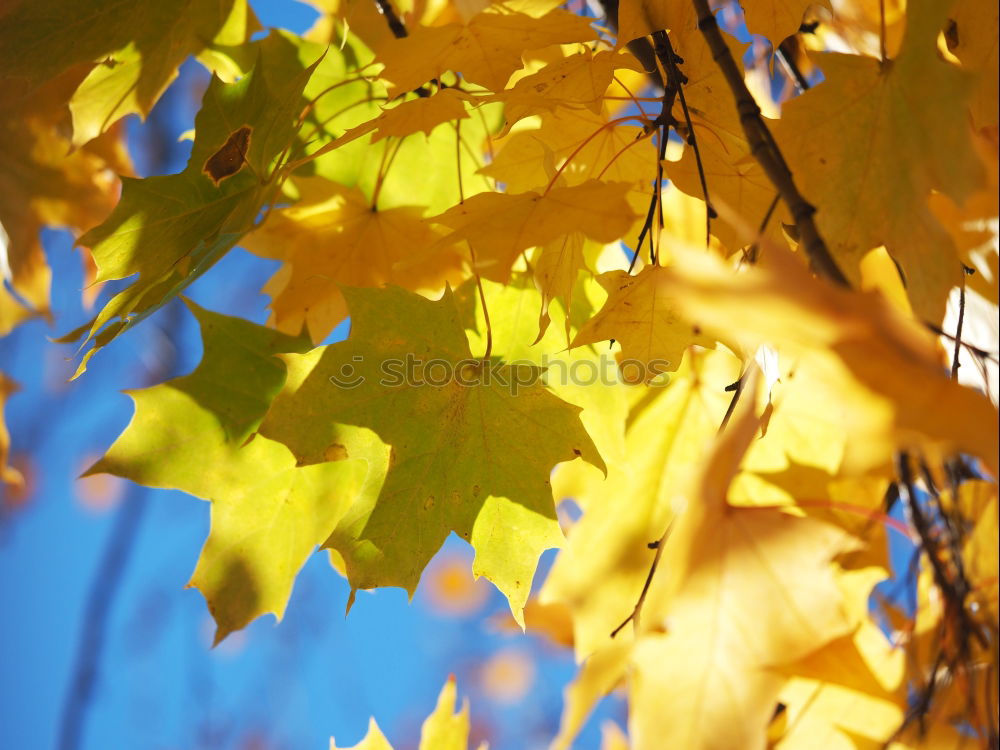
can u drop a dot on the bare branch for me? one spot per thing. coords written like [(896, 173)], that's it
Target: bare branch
[(766, 151), (395, 24)]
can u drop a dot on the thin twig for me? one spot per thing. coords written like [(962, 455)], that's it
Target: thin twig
[(486, 311), (395, 24), (633, 617), (958, 327), (751, 253), (668, 58), (458, 159), (786, 57), (765, 150), (663, 122), (971, 348), (737, 389), (954, 588)]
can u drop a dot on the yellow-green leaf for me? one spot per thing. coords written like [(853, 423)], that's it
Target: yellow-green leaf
[(465, 438)]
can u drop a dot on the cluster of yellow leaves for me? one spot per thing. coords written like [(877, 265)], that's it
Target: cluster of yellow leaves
[(768, 559), (461, 177)]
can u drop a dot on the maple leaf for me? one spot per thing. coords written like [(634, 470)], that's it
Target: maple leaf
[(977, 500), (759, 583), (597, 148), (777, 19), (333, 236), (737, 592), (652, 332), (351, 173), (453, 465), (821, 708), (601, 570), (557, 267), (486, 50), (973, 40), (268, 514), (343, 108), (41, 184), (444, 729), (387, 165), (806, 435), (578, 81), (869, 144), (735, 180), (136, 49), (638, 18), (171, 229), (499, 226), (880, 368), (422, 114)]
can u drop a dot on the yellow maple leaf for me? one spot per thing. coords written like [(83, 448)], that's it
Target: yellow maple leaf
[(42, 184), (486, 50), (499, 226), (869, 144), (651, 329), (420, 115), (578, 81), (638, 18), (595, 148), (777, 19), (973, 39), (444, 729), (557, 265), (845, 694), (737, 593), (855, 349), (332, 237), (341, 18), (601, 570)]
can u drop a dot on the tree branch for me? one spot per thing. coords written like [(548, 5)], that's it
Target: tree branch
[(766, 151), (958, 328), (669, 60), (395, 24)]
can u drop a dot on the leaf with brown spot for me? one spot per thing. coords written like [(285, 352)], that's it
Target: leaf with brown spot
[(230, 157)]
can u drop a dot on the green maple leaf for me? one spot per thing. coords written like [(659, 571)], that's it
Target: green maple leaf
[(171, 229), (472, 458), (268, 514), (137, 48)]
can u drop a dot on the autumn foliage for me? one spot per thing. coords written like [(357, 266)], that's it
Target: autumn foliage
[(792, 253)]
